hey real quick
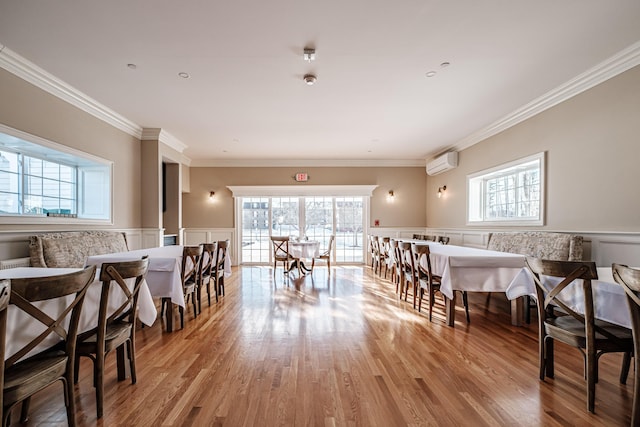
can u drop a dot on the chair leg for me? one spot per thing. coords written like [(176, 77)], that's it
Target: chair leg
[(70, 401), (624, 371), (209, 292), (132, 359), (181, 310), (24, 413), (194, 303), (591, 379), (548, 357), (465, 302), (432, 295), (420, 299), (99, 383)]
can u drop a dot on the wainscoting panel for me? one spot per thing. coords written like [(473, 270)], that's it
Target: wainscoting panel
[(195, 236)]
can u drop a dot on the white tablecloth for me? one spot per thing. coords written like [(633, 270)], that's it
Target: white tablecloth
[(609, 299), (22, 328), (304, 249), (163, 276), (471, 269)]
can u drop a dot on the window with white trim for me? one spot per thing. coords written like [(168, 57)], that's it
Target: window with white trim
[(37, 179), (509, 194)]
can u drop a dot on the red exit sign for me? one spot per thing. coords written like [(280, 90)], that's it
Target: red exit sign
[(302, 177)]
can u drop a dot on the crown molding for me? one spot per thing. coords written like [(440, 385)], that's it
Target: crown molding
[(28, 71), (611, 67), (272, 163), (158, 134)]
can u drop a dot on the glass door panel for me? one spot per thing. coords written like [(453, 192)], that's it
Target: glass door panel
[(256, 242), (349, 229)]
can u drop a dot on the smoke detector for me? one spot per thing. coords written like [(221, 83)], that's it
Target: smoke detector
[(309, 79)]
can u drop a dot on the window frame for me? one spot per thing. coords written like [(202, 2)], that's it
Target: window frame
[(49, 146), (476, 208)]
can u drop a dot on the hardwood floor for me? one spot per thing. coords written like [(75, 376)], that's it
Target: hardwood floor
[(341, 351)]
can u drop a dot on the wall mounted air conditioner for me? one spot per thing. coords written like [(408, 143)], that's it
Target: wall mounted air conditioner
[(443, 163)]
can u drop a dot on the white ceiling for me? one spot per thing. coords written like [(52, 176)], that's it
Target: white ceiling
[(245, 98)]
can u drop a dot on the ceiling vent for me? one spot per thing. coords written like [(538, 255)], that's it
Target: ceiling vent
[(443, 163)]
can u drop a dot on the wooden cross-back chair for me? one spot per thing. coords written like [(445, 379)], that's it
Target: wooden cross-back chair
[(375, 253), (396, 267), (629, 279), (380, 254), (409, 272), (207, 269), (114, 330), (25, 374), (281, 253), (326, 255), (593, 337), (221, 256), (428, 281), (190, 275)]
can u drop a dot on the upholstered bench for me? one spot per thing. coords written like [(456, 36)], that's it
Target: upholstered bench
[(69, 249), (539, 244)]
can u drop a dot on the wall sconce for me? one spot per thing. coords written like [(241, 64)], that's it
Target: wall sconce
[(441, 190), (390, 197), (212, 195)]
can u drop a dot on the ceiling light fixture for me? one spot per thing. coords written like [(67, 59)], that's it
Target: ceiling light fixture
[(309, 54), (184, 75), (309, 79), (132, 66), (431, 74), (445, 64)]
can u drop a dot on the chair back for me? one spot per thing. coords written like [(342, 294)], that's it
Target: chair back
[(117, 273), (629, 279), (280, 247), (443, 239), (221, 256), (550, 296), (375, 244), (327, 253), (207, 262), (422, 251), (25, 291), (408, 266), (190, 264)]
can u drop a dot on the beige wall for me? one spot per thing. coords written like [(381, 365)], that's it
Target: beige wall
[(408, 184), (29, 109), (593, 152)]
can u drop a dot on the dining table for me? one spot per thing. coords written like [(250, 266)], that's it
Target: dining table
[(22, 328), (464, 268), (303, 249), (164, 275), (609, 298)]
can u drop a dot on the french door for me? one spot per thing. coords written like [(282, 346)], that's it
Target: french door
[(315, 218)]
